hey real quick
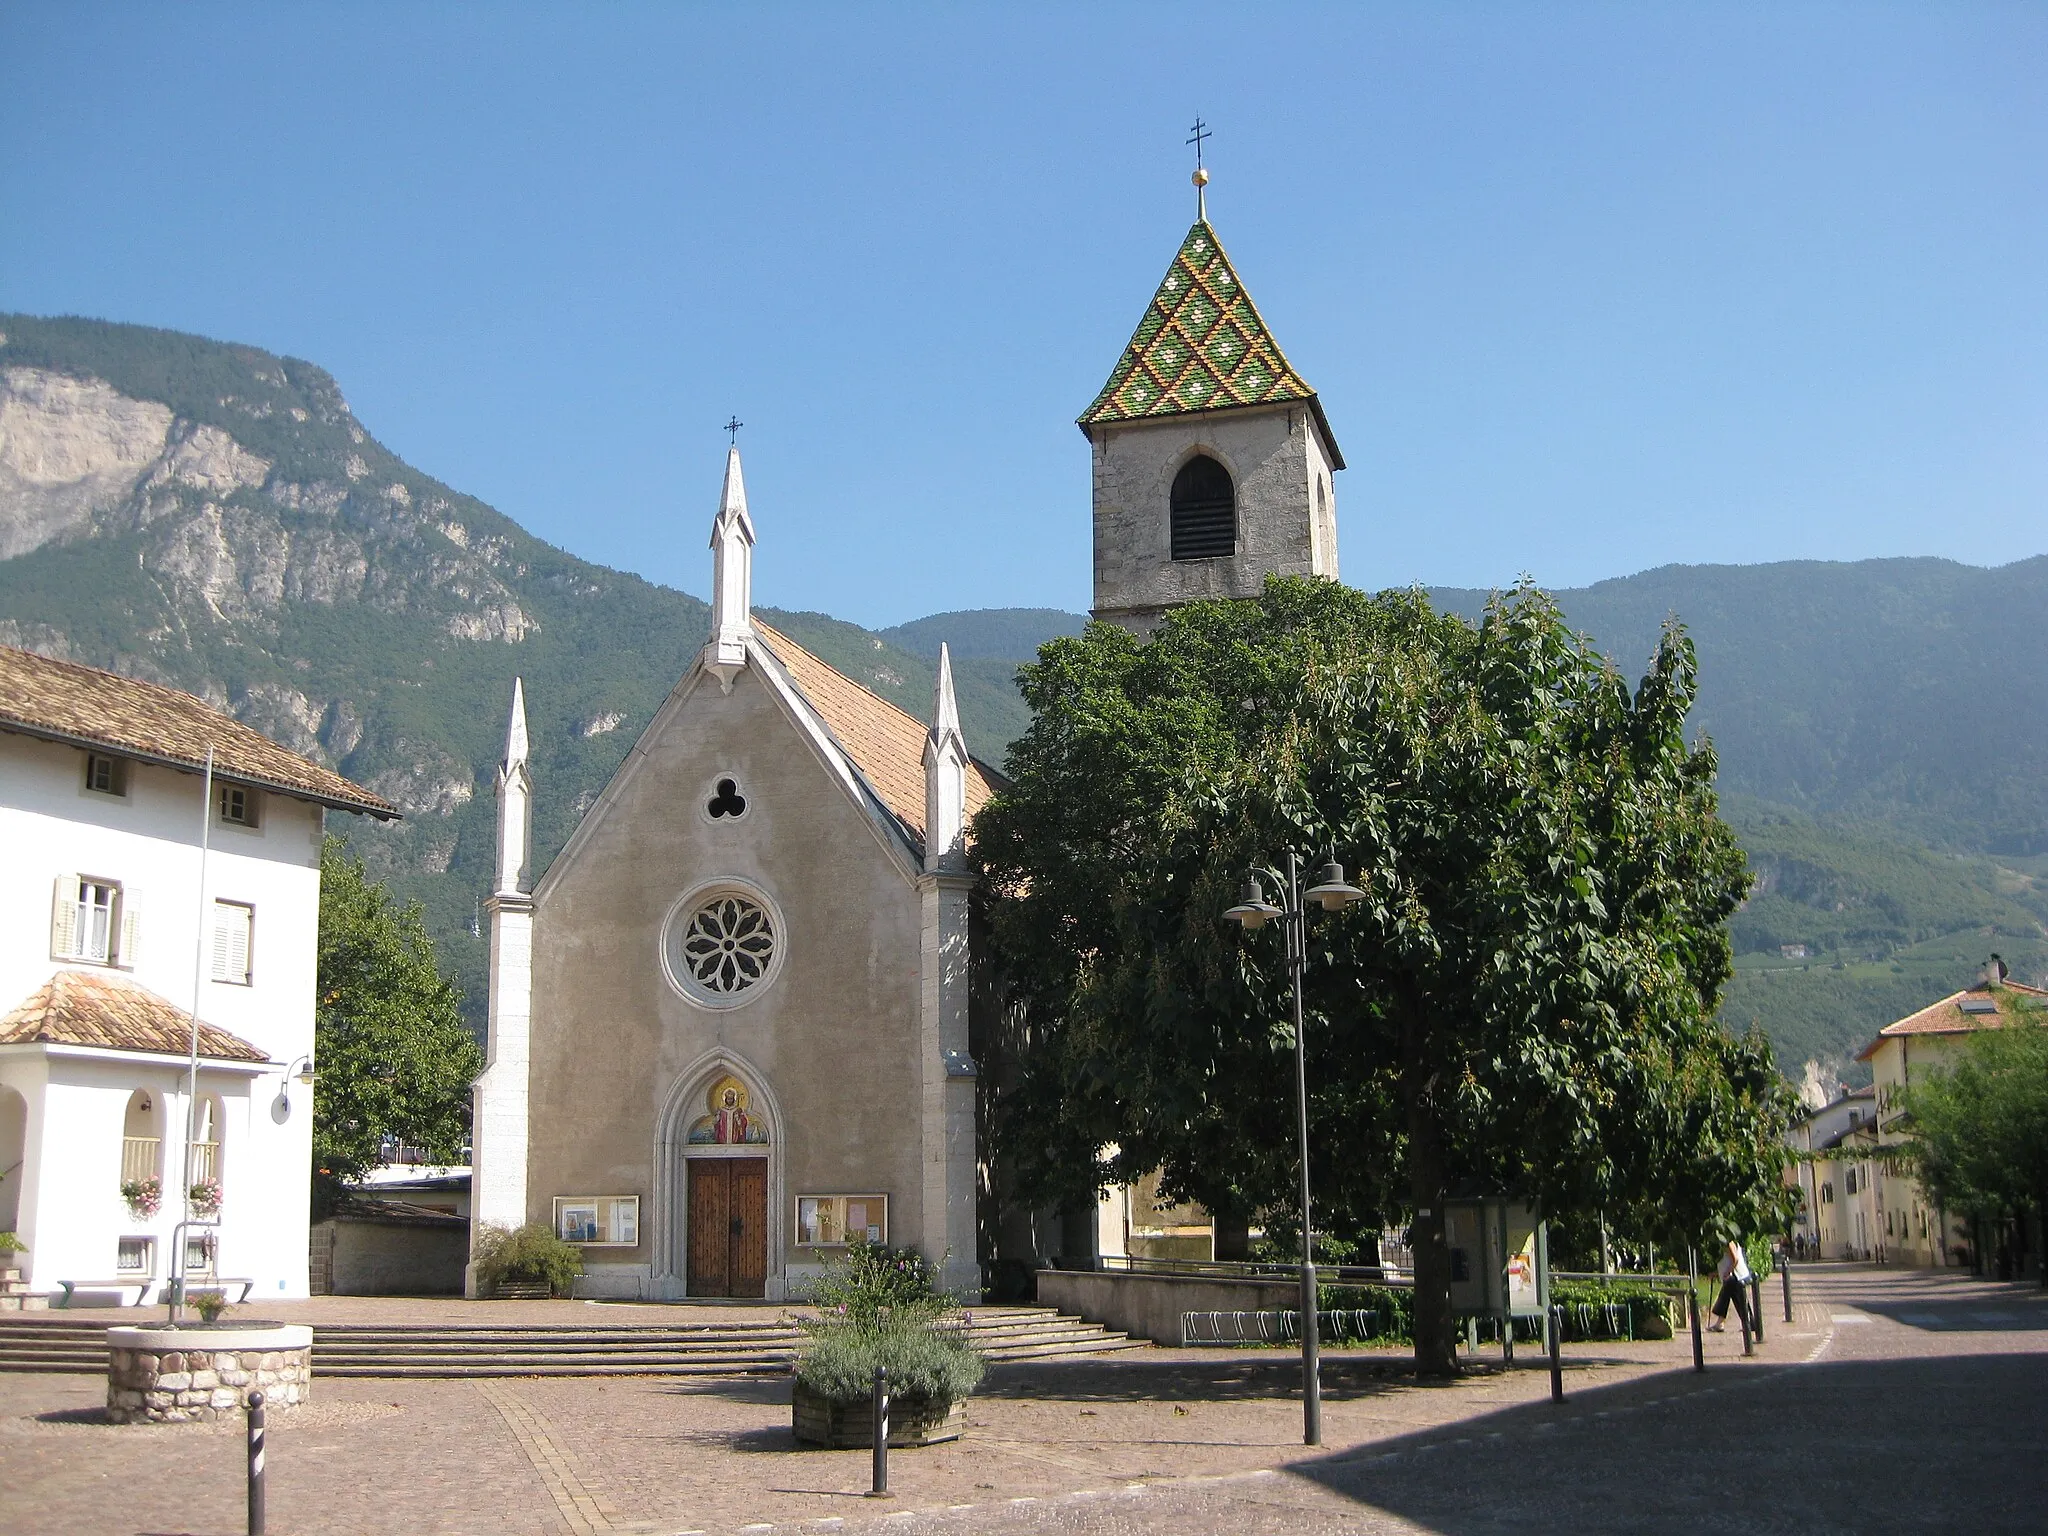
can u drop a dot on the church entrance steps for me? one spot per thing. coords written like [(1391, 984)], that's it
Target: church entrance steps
[(754, 1347)]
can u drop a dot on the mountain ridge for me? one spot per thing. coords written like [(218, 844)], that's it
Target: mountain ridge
[(213, 516)]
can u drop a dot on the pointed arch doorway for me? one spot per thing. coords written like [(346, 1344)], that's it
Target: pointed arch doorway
[(725, 1228)]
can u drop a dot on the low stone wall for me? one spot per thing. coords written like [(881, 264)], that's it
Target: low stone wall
[(182, 1375), (1151, 1306)]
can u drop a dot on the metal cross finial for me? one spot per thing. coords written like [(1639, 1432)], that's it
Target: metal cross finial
[(732, 429), (1201, 178)]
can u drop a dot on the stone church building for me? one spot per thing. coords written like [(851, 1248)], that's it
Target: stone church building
[(731, 1025)]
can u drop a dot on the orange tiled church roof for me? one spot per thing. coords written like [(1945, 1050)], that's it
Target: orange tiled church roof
[(64, 701), (106, 1009), (886, 743)]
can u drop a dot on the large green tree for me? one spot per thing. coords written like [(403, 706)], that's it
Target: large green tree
[(1979, 1129), (1524, 1003), (394, 1058)]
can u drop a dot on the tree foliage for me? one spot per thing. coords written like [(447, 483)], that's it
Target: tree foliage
[(1979, 1130), (1524, 1002), (394, 1058)]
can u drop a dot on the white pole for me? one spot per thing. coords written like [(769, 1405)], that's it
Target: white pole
[(192, 1055)]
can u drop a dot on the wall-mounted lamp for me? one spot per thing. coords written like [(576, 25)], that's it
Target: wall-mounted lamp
[(281, 1106)]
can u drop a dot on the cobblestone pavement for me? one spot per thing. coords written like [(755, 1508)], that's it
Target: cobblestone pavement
[(1932, 1378)]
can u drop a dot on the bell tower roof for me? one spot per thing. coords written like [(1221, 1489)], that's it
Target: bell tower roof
[(1202, 346)]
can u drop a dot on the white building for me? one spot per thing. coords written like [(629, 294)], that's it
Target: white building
[(102, 918)]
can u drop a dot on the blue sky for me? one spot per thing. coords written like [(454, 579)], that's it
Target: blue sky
[(1585, 289)]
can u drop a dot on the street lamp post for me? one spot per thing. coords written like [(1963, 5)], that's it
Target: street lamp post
[(1332, 893)]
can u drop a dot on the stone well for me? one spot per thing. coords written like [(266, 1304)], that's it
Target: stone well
[(180, 1375)]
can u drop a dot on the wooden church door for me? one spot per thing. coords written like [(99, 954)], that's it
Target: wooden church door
[(728, 1226)]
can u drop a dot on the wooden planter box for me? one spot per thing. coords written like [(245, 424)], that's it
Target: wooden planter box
[(851, 1426)]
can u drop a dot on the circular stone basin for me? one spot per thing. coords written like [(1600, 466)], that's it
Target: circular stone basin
[(198, 1373)]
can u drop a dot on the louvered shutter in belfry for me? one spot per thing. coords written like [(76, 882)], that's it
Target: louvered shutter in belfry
[(64, 919)]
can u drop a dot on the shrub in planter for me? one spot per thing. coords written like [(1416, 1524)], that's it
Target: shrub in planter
[(209, 1305), (205, 1198), (928, 1366), (144, 1196), (531, 1252), (883, 1307)]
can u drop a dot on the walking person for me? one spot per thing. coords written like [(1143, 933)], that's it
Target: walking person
[(1735, 1276)]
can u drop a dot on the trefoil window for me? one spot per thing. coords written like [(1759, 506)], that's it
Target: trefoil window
[(727, 801)]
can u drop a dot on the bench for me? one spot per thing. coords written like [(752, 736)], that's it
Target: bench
[(129, 1291), (521, 1290)]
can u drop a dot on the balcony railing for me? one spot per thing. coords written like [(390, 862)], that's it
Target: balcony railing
[(138, 1158), (205, 1162)]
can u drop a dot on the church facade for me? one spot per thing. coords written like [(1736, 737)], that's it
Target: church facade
[(731, 1025)]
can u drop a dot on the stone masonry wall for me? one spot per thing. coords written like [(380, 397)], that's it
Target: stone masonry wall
[(179, 1386)]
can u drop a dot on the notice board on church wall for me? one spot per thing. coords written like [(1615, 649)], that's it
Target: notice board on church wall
[(833, 1221), (598, 1221)]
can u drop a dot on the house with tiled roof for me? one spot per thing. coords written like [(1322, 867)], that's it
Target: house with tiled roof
[(1904, 1226), (1834, 1143), (730, 1023), (159, 915)]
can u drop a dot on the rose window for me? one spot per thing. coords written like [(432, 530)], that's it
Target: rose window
[(728, 945)]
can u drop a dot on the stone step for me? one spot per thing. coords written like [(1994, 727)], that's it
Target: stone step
[(758, 1348)]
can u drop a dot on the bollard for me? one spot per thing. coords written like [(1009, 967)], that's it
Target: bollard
[(1756, 1305), (255, 1464), (1699, 1347), (1785, 1274), (1748, 1338), (880, 1490), (1557, 1354)]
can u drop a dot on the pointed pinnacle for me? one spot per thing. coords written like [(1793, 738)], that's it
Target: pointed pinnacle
[(515, 732), (732, 500), (945, 708)]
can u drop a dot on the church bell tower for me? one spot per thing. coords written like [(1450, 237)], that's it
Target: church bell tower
[(1212, 457)]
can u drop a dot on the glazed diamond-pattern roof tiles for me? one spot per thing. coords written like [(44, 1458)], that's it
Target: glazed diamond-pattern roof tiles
[(1201, 346)]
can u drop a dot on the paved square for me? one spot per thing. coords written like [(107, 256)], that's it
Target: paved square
[(1052, 1444)]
